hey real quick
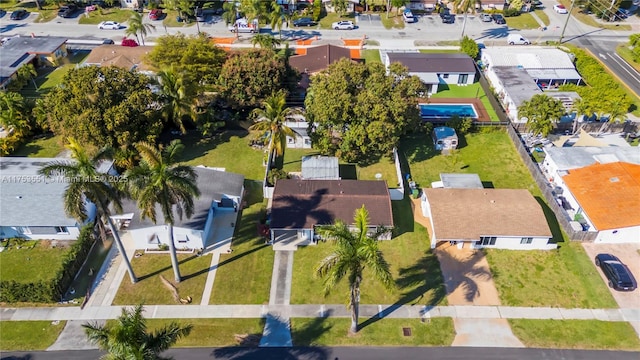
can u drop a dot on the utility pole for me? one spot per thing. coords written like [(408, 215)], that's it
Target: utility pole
[(573, 2)]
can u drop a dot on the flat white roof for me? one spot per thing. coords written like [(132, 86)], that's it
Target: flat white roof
[(528, 57)]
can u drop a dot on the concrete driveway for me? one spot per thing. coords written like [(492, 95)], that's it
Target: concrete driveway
[(628, 254), (467, 277)]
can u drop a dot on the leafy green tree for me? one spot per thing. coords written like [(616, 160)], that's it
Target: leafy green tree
[(230, 12), (469, 47), (87, 184), (196, 56), (103, 106), (359, 112), (459, 124), (254, 9), (398, 4), (13, 113), (136, 26), (23, 75), (516, 4), (179, 95), (185, 8), (161, 180), (634, 44), (269, 74), (271, 122), (340, 6), (355, 250), (128, 338), (541, 112), (276, 17), (266, 41)]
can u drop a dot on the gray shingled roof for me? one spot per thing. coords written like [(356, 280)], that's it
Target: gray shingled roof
[(212, 184), (302, 204), (568, 158), (434, 62), (20, 50)]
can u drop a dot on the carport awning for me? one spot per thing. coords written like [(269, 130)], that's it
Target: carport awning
[(554, 74), (428, 78)]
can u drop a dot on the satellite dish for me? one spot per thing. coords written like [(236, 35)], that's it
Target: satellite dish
[(378, 176)]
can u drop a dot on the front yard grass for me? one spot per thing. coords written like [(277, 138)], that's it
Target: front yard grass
[(394, 21), (244, 276), (543, 16), (470, 91), (106, 14), (625, 53), (380, 332), (575, 334), (171, 20), (523, 22), (213, 332), (29, 335), (35, 260), (46, 14), (330, 18), (371, 55), (47, 146), (591, 19), (414, 267), (150, 290)]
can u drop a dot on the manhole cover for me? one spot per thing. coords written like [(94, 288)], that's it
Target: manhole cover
[(406, 331)]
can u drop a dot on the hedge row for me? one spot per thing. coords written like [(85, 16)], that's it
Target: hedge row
[(593, 72), (52, 290)]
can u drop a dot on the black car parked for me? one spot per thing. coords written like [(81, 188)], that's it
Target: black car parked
[(67, 11), (448, 19), (2, 13), (498, 19), (619, 276), (19, 14), (304, 21)]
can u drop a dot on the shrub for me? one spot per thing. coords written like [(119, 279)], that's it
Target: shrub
[(469, 47), (276, 174), (317, 9), (511, 12), (460, 125)]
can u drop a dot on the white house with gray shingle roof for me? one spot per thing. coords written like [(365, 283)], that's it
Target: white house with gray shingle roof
[(31, 205), (492, 218)]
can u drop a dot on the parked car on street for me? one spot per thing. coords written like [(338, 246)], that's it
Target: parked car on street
[(156, 14), (498, 19), (517, 39), (560, 9), (617, 273), (448, 19), (19, 14), (2, 13), (67, 11), (343, 25), (304, 21), (408, 16), (109, 25), (486, 17)]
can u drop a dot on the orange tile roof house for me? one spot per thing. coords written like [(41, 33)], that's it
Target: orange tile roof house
[(493, 218), (607, 196)]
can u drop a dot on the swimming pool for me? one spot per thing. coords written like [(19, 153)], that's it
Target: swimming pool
[(439, 111)]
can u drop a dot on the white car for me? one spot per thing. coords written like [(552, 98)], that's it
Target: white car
[(343, 25), (109, 25), (560, 9)]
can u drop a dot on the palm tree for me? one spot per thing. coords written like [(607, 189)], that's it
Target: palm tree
[(276, 19), (138, 27), (266, 41), (253, 9), (13, 112), (161, 180), (129, 339), (465, 6), (271, 121), (88, 184), (179, 95), (354, 251)]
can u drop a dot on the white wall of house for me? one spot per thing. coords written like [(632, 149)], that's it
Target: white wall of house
[(43, 232), (624, 235), (455, 78), (298, 142), (503, 242), (152, 237)]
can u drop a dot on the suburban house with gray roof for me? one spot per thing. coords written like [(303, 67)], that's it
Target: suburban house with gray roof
[(220, 198), (18, 51), (32, 206), (301, 138), (435, 69), (299, 206), (491, 218)]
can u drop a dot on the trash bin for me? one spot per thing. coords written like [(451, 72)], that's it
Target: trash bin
[(415, 193), (179, 18)]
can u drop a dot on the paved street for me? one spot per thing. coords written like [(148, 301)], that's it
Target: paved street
[(605, 51)]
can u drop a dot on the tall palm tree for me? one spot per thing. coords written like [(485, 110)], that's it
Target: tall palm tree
[(266, 41), (88, 184), (129, 339), (465, 6), (354, 251), (136, 26), (179, 96), (161, 180), (253, 9), (271, 121), (276, 18)]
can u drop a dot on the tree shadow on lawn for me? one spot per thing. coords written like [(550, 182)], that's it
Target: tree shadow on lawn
[(556, 231), (403, 219), (197, 146), (222, 263), (414, 148), (160, 271), (416, 279)]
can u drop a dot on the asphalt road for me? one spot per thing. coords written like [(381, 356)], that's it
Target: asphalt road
[(350, 353), (606, 52)]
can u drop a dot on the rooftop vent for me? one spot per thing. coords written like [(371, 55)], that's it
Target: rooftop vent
[(614, 179)]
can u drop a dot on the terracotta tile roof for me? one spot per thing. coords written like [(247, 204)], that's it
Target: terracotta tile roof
[(301, 204), (460, 214), (318, 58), (224, 40), (121, 56), (609, 193)]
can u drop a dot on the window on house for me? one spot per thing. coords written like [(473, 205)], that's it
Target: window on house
[(445, 76), (307, 141), (62, 230), (25, 230), (487, 240), (291, 140), (526, 240), (462, 78)]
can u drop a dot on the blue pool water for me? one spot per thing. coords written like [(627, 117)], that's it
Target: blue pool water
[(435, 111)]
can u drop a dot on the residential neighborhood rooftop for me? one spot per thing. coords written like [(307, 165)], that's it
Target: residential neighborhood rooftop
[(529, 57), (609, 194), (19, 50), (518, 83), (433, 62), (472, 213), (567, 158), (320, 167), (304, 203), (318, 58), (125, 57)]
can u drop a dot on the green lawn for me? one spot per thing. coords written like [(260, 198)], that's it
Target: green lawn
[(214, 332), (523, 22), (244, 276), (624, 52), (48, 78), (47, 14), (87, 274), (35, 260), (379, 332), (543, 16), (170, 20), (414, 267), (109, 14), (394, 21), (29, 335), (330, 18), (469, 91), (150, 290), (371, 55), (46, 147), (575, 334)]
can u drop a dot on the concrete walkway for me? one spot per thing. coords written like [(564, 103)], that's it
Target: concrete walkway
[(277, 329), (73, 337), (538, 20), (281, 278)]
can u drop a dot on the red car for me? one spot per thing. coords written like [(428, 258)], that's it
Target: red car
[(155, 14)]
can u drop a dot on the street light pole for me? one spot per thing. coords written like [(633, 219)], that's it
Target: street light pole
[(573, 2)]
